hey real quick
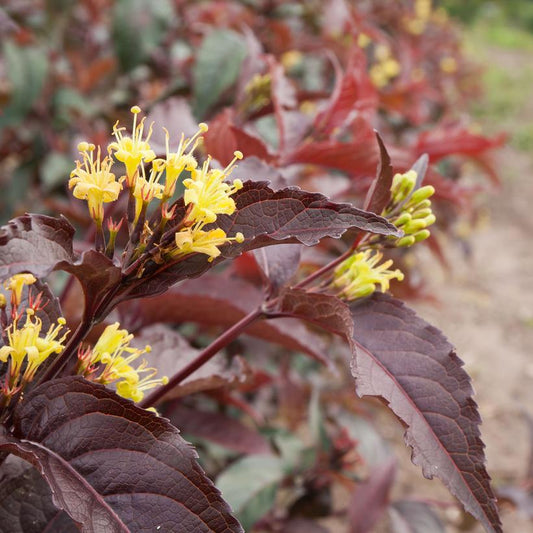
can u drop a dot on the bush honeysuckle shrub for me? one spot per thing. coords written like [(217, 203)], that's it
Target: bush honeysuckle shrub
[(299, 87), (92, 407)]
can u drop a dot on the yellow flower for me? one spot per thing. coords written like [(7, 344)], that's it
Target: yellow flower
[(145, 190), (177, 161), (15, 284), (191, 240), (133, 387), (209, 193), (115, 355), (26, 342), (358, 275), (132, 150), (93, 181)]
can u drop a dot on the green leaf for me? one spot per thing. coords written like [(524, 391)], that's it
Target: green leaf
[(26, 69), (249, 485), (55, 170), (138, 28), (217, 66)]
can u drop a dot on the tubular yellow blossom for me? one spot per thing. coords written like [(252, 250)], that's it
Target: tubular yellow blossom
[(132, 150), (15, 284), (145, 190), (191, 240), (93, 181), (178, 161), (115, 356), (358, 275), (209, 193), (26, 342)]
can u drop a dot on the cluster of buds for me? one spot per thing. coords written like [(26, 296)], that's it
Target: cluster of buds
[(110, 361), (26, 345), (358, 276), (410, 209), (150, 178)]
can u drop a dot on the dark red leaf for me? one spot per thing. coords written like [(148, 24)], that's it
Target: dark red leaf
[(112, 465), (265, 217), (215, 301), (454, 139), (219, 428), (224, 137), (412, 366), (278, 264), (324, 310), (371, 498), (353, 93), (26, 504), (171, 352), (358, 157), (97, 275), (34, 243), (378, 195)]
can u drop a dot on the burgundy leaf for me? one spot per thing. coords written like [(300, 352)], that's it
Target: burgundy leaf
[(358, 157), (219, 428), (212, 300), (97, 275), (371, 498), (378, 195), (414, 517), (265, 217), (26, 504), (324, 310), (70, 491), (353, 93), (223, 138), (112, 465), (171, 352), (453, 139), (278, 264), (412, 366), (34, 243)]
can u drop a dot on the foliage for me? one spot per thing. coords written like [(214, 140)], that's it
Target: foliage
[(190, 234)]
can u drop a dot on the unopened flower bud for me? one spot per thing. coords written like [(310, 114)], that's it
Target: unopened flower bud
[(422, 213), (422, 194), (414, 226), (403, 219), (421, 235), (406, 241)]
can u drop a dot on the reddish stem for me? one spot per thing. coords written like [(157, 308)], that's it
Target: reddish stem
[(203, 358)]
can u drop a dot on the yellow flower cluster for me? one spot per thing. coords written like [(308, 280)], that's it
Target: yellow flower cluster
[(207, 194), (415, 214), (386, 67), (357, 276), (110, 361), (27, 349)]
